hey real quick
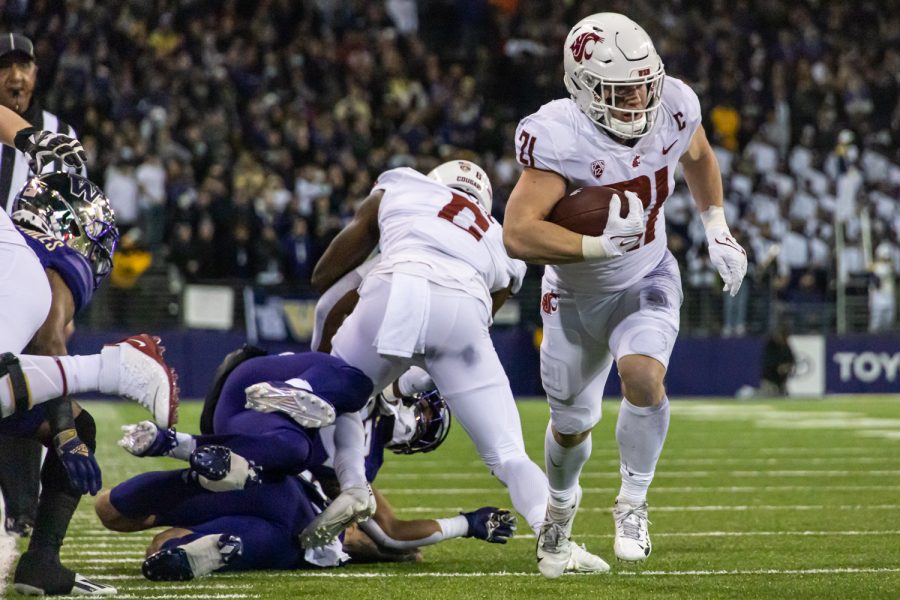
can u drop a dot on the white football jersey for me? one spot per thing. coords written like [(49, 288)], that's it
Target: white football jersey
[(560, 138), (8, 232), (443, 235)]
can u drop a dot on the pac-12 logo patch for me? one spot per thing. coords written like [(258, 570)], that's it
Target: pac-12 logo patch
[(597, 168)]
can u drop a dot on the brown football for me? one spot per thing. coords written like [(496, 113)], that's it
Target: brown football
[(586, 210)]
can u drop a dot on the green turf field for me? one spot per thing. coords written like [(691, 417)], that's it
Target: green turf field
[(762, 499)]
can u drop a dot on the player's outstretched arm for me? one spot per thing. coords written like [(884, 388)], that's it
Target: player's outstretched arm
[(526, 234), (39, 146), (351, 246), (489, 524)]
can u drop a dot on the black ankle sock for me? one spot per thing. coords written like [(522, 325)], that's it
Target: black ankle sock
[(56, 506)]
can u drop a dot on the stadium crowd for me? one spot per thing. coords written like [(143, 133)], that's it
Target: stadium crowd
[(238, 136)]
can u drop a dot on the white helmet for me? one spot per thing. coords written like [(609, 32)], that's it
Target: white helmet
[(605, 51), (467, 177)]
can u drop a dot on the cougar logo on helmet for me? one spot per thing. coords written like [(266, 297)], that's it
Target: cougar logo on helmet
[(579, 46)]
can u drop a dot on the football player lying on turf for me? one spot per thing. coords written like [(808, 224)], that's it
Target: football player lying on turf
[(256, 527), (238, 445)]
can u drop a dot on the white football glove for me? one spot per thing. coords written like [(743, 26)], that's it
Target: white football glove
[(146, 439), (620, 235), (728, 257)]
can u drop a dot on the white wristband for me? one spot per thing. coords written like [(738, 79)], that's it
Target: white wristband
[(714, 218), (592, 247)]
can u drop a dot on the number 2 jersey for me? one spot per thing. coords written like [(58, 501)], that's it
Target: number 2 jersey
[(442, 235), (562, 139)]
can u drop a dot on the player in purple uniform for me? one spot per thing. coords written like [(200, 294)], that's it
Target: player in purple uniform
[(240, 445), (234, 527), (69, 227)]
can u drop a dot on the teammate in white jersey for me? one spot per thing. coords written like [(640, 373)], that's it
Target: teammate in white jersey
[(627, 126), (429, 302)]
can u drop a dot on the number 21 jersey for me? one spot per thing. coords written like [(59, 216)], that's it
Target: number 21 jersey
[(561, 139)]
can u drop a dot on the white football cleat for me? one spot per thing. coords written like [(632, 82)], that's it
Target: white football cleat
[(307, 409), (134, 368), (632, 531), (582, 561), (554, 550), (353, 505), (556, 553)]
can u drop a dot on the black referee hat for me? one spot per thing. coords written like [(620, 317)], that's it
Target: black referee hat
[(16, 42)]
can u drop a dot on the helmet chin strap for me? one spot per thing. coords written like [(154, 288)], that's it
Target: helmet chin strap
[(628, 128)]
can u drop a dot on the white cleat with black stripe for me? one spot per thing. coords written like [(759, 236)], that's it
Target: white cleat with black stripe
[(632, 531)]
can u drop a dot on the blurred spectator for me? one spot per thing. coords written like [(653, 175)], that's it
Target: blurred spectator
[(151, 181), (121, 186), (778, 362), (261, 113), (882, 301), (132, 260), (734, 308)]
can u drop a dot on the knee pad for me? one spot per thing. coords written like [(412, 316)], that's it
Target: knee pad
[(87, 429), (9, 365)]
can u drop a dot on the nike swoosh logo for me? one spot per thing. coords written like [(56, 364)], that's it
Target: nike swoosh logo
[(552, 462), (626, 240), (666, 150), (732, 246), (140, 343)]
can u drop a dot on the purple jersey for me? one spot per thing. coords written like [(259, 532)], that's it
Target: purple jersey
[(73, 267)]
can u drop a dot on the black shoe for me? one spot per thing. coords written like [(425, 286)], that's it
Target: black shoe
[(174, 564), (168, 565), (212, 462)]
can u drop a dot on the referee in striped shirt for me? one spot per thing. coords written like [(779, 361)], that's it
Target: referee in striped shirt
[(21, 458)]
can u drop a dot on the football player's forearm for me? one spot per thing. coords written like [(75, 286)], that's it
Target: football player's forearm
[(10, 124), (406, 535), (542, 242), (704, 180)]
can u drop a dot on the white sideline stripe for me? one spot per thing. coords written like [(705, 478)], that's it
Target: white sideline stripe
[(704, 534), (712, 508), (660, 489), (673, 474)]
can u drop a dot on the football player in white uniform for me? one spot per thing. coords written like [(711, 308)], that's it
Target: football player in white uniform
[(429, 302), (615, 296)]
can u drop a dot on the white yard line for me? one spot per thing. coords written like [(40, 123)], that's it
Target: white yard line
[(662, 489), (705, 534), (706, 508), (674, 474), (344, 574), (339, 574)]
